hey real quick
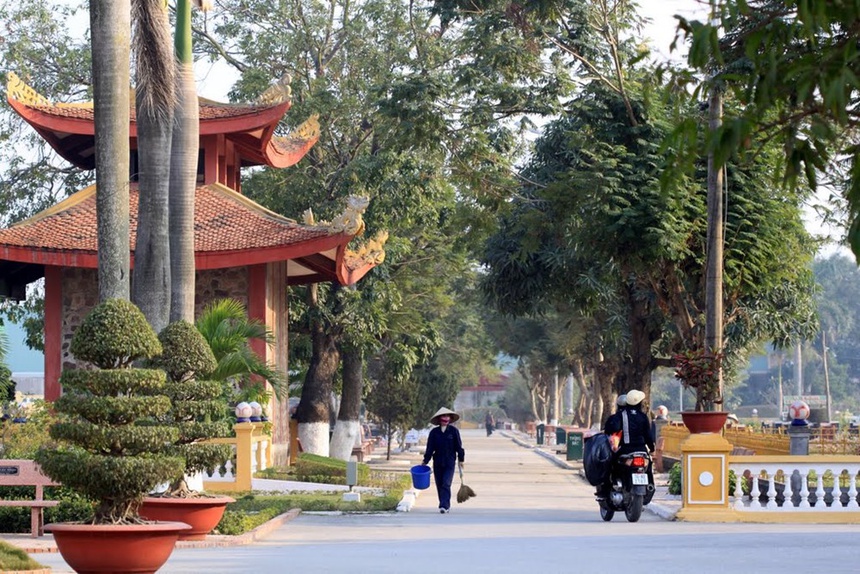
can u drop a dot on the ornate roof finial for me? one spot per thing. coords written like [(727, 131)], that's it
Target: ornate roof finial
[(17, 89), (373, 251), (278, 92)]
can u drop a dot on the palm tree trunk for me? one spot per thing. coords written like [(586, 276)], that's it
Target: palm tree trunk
[(110, 26), (347, 430), (183, 172), (155, 101)]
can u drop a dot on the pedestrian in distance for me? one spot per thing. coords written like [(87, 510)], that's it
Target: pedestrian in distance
[(490, 423), (445, 448)]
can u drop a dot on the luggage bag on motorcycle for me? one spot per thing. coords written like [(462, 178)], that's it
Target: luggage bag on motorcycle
[(597, 459)]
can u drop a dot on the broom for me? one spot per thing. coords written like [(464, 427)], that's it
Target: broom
[(465, 492)]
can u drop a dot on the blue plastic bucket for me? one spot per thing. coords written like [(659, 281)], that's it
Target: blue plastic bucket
[(421, 477)]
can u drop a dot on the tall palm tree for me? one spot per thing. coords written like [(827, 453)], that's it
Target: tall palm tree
[(155, 102), (228, 330), (183, 168), (110, 26)]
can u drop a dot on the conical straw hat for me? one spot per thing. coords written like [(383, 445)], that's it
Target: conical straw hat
[(443, 411)]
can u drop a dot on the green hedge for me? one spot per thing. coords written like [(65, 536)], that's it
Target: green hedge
[(16, 519), (315, 468), (252, 510)]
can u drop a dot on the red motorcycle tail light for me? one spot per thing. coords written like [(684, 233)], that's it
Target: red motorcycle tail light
[(638, 461)]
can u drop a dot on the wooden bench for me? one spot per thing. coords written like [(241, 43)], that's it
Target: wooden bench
[(27, 473)]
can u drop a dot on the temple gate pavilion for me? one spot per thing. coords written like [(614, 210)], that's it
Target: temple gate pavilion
[(242, 250)]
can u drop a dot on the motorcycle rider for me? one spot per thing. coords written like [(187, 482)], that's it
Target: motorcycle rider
[(635, 435)]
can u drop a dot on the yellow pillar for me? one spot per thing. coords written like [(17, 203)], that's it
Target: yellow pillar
[(242, 471), (705, 472)]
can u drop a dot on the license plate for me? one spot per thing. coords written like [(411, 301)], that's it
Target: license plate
[(640, 479)]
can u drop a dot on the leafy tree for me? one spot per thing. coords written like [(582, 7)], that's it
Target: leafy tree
[(596, 208), (377, 78), (837, 277), (38, 46), (791, 66), (435, 388), (393, 402)]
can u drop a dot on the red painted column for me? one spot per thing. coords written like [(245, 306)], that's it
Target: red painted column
[(53, 331)]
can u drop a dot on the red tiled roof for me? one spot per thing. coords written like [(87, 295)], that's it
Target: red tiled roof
[(208, 110), (225, 222)]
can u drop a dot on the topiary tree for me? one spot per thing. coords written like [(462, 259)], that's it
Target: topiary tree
[(103, 454), (198, 407)]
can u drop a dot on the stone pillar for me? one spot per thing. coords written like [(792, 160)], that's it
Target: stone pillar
[(658, 427), (798, 439), (705, 472)]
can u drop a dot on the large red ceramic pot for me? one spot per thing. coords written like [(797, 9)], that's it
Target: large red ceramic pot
[(202, 513), (699, 422), (118, 548)]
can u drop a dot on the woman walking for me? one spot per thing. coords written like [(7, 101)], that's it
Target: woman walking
[(445, 447)]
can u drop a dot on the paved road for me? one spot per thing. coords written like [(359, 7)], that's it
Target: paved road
[(529, 517)]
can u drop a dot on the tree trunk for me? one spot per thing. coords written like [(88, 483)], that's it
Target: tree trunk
[(714, 282), (347, 431), (155, 101), (605, 375), (183, 172), (635, 373), (110, 28), (582, 411), (314, 409)]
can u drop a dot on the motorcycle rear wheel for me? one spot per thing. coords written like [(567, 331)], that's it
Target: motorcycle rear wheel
[(634, 509), (606, 513)]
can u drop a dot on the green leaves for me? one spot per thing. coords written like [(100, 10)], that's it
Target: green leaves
[(794, 67), (114, 335)]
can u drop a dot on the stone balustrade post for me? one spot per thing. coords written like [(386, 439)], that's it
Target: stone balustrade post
[(705, 484), (798, 439), (242, 472)]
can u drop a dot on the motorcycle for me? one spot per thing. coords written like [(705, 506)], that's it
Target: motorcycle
[(632, 487)]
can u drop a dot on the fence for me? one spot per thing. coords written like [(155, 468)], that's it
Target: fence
[(820, 488), (822, 440), (252, 452)]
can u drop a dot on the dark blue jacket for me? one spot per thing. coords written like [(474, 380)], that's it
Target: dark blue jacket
[(639, 428), (444, 447)]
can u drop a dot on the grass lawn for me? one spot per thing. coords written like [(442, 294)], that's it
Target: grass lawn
[(14, 559), (251, 510)]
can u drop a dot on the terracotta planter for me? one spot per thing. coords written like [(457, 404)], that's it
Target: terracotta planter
[(202, 514), (700, 422), (106, 548)]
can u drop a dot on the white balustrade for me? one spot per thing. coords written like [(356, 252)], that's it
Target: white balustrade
[(223, 474), (796, 483)]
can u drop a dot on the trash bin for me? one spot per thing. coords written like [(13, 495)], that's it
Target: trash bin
[(560, 435), (574, 446), (540, 429)]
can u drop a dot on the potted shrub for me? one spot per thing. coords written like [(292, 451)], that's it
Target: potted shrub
[(700, 369), (103, 454), (198, 411)]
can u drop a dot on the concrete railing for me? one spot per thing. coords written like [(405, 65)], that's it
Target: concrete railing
[(797, 484), (252, 453)]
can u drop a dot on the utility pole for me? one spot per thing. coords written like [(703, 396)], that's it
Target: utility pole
[(826, 374), (714, 272)]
